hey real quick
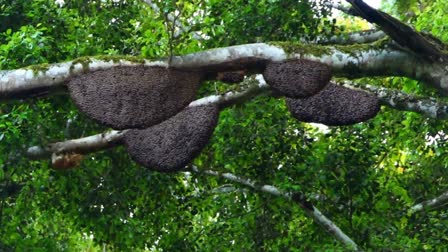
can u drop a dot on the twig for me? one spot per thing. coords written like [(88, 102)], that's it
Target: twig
[(173, 19), (361, 37)]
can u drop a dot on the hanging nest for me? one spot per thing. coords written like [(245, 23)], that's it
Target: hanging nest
[(133, 97), (335, 106), (297, 78), (172, 144)]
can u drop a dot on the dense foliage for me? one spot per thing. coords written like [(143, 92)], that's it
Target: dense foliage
[(364, 177)]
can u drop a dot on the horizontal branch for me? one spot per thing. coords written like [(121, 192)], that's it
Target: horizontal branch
[(430, 204), (377, 59), (311, 210), (110, 139), (26, 82), (83, 145), (257, 85), (361, 37), (402, 101)]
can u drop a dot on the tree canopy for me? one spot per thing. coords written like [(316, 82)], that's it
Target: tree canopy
[(190, 125)]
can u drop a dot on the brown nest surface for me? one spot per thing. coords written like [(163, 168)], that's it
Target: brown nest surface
[(297, 78), (335, 106), (172, 144), (133, 97)]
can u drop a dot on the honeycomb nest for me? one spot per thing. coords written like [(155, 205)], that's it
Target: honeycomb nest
[(297, 78), (335, 106), (133, 97), (172, 144)]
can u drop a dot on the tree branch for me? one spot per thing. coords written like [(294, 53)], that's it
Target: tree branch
[(342, 8), (43, 78), (402, 101), (83, 145), (361, 37), (403, 34), (376, 59), (309, 209), (430, 204)]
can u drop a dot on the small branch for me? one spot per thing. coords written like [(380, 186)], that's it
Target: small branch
[(112, 138), (311, 210), (402, 101), (430, 204), (81, 145), (361, 37), (257, 85), (168, 17), (342, 8), (173, 19), (224, 189)]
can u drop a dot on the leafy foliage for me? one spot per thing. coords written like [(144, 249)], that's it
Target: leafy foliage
[(364, 177)]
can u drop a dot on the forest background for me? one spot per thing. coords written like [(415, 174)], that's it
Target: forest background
[(367, 179)]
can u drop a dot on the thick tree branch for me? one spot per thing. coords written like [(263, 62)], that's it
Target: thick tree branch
[(430, 204), (43, 78), (401, 33), (298, 198), (376, 59), (109, 139)]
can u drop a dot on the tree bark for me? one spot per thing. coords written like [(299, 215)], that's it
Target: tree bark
[(377, 59), (431, 204)]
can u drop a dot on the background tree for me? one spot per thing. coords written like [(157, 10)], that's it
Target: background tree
[(368, 178)]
